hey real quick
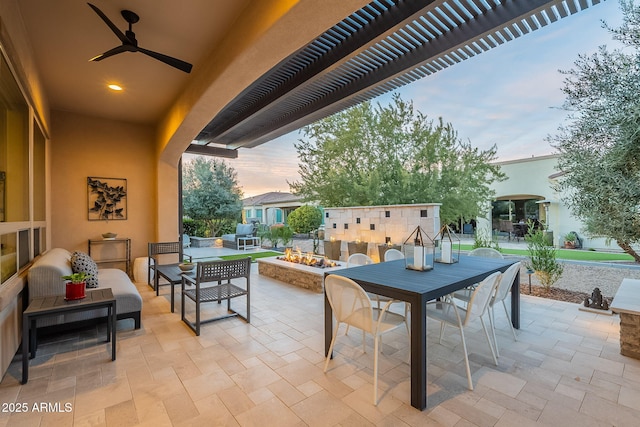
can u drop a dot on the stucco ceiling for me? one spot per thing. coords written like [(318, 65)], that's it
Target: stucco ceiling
[(65, 34)]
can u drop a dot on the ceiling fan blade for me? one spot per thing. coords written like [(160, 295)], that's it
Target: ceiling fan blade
[(114, 51), (180, 65), (124, 39)]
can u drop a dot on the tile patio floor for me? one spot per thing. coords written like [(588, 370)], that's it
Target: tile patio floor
[(564, 370)]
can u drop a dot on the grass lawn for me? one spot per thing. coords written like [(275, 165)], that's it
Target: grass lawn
[(254, 255), (568, 254)]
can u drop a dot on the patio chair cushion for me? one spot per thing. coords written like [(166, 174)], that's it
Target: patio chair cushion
[(244, 230)]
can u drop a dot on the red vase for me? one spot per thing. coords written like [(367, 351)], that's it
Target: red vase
[(75, 291)]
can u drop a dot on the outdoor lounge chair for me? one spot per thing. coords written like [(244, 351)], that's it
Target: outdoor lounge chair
[(242, 230)]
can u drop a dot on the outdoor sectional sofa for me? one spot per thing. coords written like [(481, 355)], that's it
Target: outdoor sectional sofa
[(45, 279)]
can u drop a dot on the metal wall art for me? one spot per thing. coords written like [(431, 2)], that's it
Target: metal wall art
[(107, 198)]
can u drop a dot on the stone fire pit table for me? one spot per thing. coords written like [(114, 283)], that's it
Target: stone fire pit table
[(295, 274)]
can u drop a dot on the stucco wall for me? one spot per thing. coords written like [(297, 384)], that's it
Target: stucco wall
[(85, 146), (531, 176), (377, 224)]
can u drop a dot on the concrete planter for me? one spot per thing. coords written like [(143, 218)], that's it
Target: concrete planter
[(332, 249), (357, 247), (203, 242)]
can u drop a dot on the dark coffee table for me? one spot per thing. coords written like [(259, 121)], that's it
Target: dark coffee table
[(55, 305)]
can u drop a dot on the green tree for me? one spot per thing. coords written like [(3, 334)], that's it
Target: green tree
[(393, 154), (600, 143), (305, 219), (210, 193)]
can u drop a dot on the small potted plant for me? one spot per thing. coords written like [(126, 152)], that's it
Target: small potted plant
[(76, 284), (187, 265), (570, 240)]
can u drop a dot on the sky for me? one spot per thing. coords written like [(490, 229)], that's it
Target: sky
[(509, 96)]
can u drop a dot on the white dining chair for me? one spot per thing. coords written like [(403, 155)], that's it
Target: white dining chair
[(362, 259), (392, 255), (358, 259), (351, 306), (500, 295), (448, 313), (502, 290), (486, 252)]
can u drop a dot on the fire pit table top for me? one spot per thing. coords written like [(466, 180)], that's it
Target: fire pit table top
[(314, 269), (296, 274)]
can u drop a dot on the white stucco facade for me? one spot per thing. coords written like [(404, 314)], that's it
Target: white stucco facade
[(534, 178)]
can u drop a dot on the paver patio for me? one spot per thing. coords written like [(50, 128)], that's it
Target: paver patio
[(564, 370)]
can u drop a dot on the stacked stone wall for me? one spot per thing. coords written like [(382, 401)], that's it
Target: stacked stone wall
[(630, 335)]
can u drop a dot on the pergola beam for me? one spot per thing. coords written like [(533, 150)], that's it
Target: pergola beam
[(208, 150)]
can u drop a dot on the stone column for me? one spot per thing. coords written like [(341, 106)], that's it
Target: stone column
[(630, 335)]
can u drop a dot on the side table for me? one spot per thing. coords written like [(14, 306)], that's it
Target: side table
[(54, 305)]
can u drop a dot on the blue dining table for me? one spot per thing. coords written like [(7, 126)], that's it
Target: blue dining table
[(393, 280)]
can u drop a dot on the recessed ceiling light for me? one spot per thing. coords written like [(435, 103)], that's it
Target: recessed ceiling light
[(115, 87)]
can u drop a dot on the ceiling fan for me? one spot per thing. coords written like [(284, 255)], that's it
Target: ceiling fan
[(130, 44)]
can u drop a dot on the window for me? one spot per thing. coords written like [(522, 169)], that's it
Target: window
[(39, 175), (9, 258), (23, 209), (14, 149)]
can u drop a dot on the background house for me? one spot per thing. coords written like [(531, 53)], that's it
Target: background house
[(528, 194), (270, 208)]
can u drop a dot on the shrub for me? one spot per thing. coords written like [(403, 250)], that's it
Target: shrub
[(189, 225), (305, 219), (200, 228), (277, 234), (542, 258)]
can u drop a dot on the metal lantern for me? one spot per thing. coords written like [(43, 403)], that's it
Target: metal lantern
[(418, 251), (447, 245)]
